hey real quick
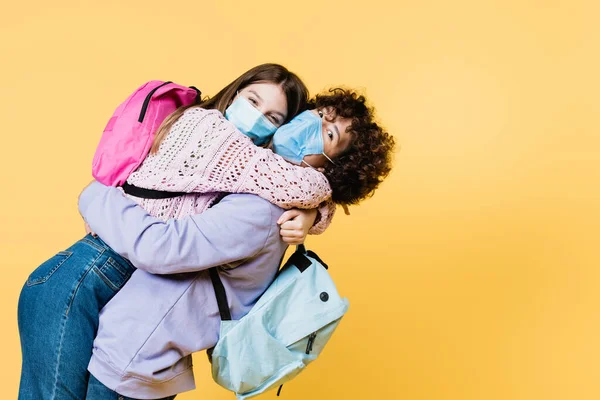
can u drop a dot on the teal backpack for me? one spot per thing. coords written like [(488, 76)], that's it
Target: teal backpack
[(284, 332)]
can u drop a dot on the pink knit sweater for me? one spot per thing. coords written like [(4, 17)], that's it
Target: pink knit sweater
[(206, 156)]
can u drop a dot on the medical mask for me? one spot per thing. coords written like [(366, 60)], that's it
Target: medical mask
[(250, 121), (300, 137)]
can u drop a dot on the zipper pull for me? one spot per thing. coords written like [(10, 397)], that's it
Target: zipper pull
[(311, 340)]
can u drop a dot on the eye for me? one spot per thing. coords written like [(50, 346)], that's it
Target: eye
[(253, 101), (273, 119), (330, 134)]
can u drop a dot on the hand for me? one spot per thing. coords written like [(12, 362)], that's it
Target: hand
[(89, 230), (295, 224), (87, 227)]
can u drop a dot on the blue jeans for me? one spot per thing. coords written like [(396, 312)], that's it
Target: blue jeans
[(58, 316), (97, 391)]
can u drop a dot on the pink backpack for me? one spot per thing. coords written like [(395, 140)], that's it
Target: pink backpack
[(129, 134)]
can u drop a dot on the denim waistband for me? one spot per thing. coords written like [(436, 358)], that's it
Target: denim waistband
[(99, 245)]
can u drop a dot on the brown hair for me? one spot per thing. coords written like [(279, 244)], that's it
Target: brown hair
[(294, 89), (360, 169)]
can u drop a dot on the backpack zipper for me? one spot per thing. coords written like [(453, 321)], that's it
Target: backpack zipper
[(147, 101), (309, 347), (311, 341)]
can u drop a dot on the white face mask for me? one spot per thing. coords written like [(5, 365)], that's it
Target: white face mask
[(250, 121), (300, 137)]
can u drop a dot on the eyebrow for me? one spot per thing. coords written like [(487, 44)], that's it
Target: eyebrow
[(275, 111), (256, 94), (337, 131)]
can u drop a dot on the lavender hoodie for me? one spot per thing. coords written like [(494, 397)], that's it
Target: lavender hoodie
[(149, 330)]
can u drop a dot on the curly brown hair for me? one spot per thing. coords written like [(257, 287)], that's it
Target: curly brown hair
[(360, 169)]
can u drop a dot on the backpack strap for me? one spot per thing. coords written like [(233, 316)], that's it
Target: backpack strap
[(214, 274), (149, 193), (220, 293), (316, 257), (198, 94), (220, 289), (299, 259)]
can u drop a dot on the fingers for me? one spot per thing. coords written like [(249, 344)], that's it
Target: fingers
[(291, 236), (292, 240), (292, 225), (291, 233), (288, 215)]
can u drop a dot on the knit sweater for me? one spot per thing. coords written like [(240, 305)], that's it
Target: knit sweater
[(206, 156)]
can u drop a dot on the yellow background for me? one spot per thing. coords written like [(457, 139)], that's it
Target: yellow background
[(472, 274)]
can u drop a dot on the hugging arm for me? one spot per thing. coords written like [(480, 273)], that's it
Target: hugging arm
[(234, 229)]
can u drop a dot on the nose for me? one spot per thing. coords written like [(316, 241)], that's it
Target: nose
[(262, 108)]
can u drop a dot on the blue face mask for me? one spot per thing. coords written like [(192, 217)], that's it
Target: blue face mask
[(250, 121), (300, 137)]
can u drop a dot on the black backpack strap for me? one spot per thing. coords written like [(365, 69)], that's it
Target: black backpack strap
[(316, 257), (220, 293), (299, 259), (149, 193), (198, 94)]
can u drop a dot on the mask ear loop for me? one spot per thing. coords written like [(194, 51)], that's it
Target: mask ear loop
[(320, 112), (327, 157), (237, 94), (308, 164), (344, 206)]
